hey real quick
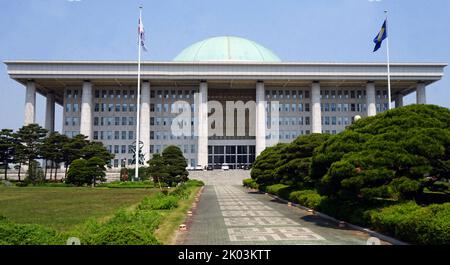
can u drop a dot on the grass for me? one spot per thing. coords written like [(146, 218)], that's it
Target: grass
[(172, 219), (64, 208)]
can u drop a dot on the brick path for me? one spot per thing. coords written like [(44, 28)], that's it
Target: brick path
[(230, 214)]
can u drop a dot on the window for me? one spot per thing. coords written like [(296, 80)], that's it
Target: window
[(124, 135), (110, 107), (95, 135), (96, 107), (131, 108), (117, 107), (69, 93), (67, 121), (116, 135), (124, 121), (130, 135), (68, 107), (117, 121), (123, 149)]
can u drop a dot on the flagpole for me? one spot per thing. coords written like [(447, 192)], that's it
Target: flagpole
[(388, 62), (138, 105)]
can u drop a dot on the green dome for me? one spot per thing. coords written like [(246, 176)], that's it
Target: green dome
[(226, 48)]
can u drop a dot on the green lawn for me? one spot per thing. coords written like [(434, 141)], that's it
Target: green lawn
[(63, 208)]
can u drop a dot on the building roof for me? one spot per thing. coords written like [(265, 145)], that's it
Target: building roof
[(226, 48)]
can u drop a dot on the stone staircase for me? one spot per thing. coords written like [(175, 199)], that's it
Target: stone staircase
[(221, 177)]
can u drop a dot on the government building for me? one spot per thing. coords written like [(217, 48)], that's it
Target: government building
[(274, 100)]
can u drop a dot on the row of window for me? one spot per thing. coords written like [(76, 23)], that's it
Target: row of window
[(186, 149), (289, 121), (187, 94), (103, 107), (325, 94), (115, 162), (114, 93), (289, 107), (326, 120), (113, 135), (116, 121)]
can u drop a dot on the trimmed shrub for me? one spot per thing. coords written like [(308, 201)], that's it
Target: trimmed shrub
[(413, 223), (250, 183), (274, 189), (308, 198)]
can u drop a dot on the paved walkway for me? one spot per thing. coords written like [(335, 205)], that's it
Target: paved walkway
[(230, 214)]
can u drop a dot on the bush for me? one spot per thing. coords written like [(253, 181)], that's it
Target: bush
[(124, 228), (413, 223), (194, 183), (275, 189), (159, 202), (27, 234), (250, 183), (308, 198)]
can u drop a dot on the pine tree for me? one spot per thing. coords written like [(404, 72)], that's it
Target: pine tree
[(30, 138), (7, 148)]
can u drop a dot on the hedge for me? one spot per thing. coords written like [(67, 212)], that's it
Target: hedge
[(250, 183), (413, 223), (308, 198)]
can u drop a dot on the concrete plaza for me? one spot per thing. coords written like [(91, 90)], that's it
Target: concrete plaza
[(229, 214)]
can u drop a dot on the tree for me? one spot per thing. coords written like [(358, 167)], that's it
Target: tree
[(52, 149), (263, 169), (157, 169), (30, 138), (35, 174), (7, 148), (170, 167), (297, 157), (176, 165), (394, 155), (71, 150), (96, 149), (82, 171)]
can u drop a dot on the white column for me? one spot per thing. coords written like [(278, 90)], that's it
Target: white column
[(86, 110), (144, 130), (316, 113), (202, 123), (421, 93), (260, 126), (371, 104), (399, 101), (50, 112), (30, 103)]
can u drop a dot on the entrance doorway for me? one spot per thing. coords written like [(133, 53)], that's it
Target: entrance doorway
[(235, 156)]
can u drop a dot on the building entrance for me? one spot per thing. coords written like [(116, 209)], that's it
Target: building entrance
[(235, 156)]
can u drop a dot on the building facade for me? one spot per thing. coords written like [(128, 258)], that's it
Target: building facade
[(262, 100)]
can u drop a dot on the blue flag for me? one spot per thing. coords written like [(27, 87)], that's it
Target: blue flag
[(381, 36)]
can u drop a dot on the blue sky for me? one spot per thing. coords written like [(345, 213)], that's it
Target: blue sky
[(296, 30)]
